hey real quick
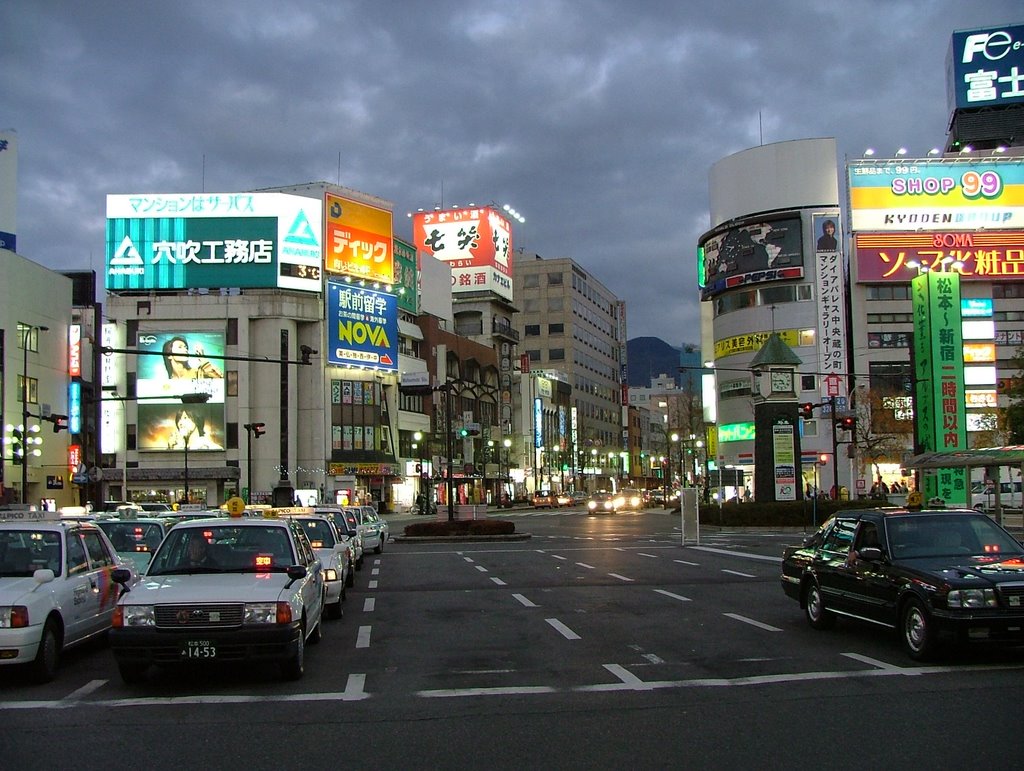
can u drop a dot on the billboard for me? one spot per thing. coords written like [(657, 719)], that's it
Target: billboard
[(210, 240), (172, 365), (362, 327), (985, 67), (476, 243), (755, 252), (936, 195), (987, 255), (358, 240), (8, 190), (831, 283)]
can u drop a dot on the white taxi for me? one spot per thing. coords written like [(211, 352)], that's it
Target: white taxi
[(221, 590), (56, 587), (348, 528), (335, 554)]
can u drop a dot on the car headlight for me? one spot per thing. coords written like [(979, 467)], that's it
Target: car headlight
[(330, 574), (14, 617), (137, 615), (267, 613), (972, 598)]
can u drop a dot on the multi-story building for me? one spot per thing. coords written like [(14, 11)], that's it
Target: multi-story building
[(570, 323)]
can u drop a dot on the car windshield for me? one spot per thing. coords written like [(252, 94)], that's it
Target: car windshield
[(948, 535), (23, 552), (223, 548), (131, 537), (319, 533)]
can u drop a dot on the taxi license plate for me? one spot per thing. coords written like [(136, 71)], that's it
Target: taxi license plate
[(199, 649)]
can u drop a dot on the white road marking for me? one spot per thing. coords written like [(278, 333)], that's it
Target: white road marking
[(684, 562), (368, 605), (563, 629), (882, 664), (758, 624), (520, 691), (558, 556), (375, 572), (654, 659), (371, 585), (621, 578), (85, 690), (673, 596), (468, 559), (481, 568), (745, 555), (498, 581), (585, 565), (524, 601), (738, 573), (363, 638), (645, 554)]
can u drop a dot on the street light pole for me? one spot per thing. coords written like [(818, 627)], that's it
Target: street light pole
[(25, 440)]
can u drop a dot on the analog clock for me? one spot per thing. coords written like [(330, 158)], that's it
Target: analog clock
[(781, 381)]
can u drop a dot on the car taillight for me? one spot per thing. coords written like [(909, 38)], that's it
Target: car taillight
[(117, 622), (284, 613)]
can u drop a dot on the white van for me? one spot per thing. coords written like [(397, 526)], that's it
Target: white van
[(983, 497)]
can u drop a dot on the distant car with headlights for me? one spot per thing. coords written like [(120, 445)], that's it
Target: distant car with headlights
[(604, 503), (222, 590), (564, 499), (56, 587), (932, 575), (632, 499)]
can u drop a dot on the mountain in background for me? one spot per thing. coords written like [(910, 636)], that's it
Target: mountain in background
[(649, 357)]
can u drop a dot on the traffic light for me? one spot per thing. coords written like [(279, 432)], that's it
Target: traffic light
[(256, 429), (463, 432), (306, 352), (848, 423), (17, 442), (60, 422), (823, 458), (807, 410)]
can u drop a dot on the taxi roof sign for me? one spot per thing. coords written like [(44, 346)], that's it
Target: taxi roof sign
[(288, 511), (235, 506)]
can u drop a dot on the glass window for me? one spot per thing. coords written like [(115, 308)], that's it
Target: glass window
[(532, 330), (840, 537), (77, 561), (556, 329), (554, 279), (808, 383), (97, 550), (556, 354), (531, 281)]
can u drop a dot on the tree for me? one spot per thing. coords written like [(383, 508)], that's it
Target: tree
[(884, 432), (1014, 390)]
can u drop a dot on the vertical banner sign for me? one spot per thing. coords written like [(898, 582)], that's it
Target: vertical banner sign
[(406, 277), (828, 255), (784, 461), (939, 379)]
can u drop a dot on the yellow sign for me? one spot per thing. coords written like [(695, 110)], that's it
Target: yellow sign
[(730, 346), (235, 506)]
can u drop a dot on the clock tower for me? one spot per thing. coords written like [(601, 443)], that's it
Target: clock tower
[(777, 469)]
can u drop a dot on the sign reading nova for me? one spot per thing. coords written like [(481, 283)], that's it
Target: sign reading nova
[(362, 327), (206, 240)]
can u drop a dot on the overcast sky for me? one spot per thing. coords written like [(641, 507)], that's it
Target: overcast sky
[(598, 120)]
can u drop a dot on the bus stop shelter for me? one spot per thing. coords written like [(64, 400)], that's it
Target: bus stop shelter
[(991, 458)]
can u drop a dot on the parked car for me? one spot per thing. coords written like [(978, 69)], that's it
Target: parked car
[(545, 499), (931, 575), (228, 589), (983, 497), (348, 530), (56, 587), (135, 538), (372, 527)]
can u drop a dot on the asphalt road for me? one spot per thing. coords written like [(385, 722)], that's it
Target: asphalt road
[(600, 642)]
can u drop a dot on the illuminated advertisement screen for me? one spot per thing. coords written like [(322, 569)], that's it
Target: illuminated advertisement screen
[(175, 365), (210, 240), (362, 327), (358, 240), (985, 67), (936, 195), (991, 255), (476, 243), (752, 253)]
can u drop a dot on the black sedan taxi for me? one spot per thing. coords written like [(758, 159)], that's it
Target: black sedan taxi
[(932, 575)]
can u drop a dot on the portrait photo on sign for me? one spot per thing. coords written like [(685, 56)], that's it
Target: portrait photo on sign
[(173, 427), (181, 362)]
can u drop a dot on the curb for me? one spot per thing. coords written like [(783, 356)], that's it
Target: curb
[(460, 538)]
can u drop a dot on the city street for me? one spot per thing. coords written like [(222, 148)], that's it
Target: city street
[(598, 642)]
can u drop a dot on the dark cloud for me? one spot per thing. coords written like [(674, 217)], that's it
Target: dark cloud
[(598, 120)]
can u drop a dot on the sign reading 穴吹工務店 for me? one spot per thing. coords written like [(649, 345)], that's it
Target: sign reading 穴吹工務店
[(208, 240), (939, 379)]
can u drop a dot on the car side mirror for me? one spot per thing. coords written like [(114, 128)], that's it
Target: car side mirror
[(870, 553), (296, 572)]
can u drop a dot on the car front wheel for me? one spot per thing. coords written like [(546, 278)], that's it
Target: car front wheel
[(818, 616), (916, 631), (295, 667), (44, 667)]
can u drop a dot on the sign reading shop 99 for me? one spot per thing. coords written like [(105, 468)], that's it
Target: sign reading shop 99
[(181, 364)]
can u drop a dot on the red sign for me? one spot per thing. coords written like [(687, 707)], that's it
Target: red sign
[(74, 457), (986, 255), (832, 385), (476, 243), (524, 363)]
